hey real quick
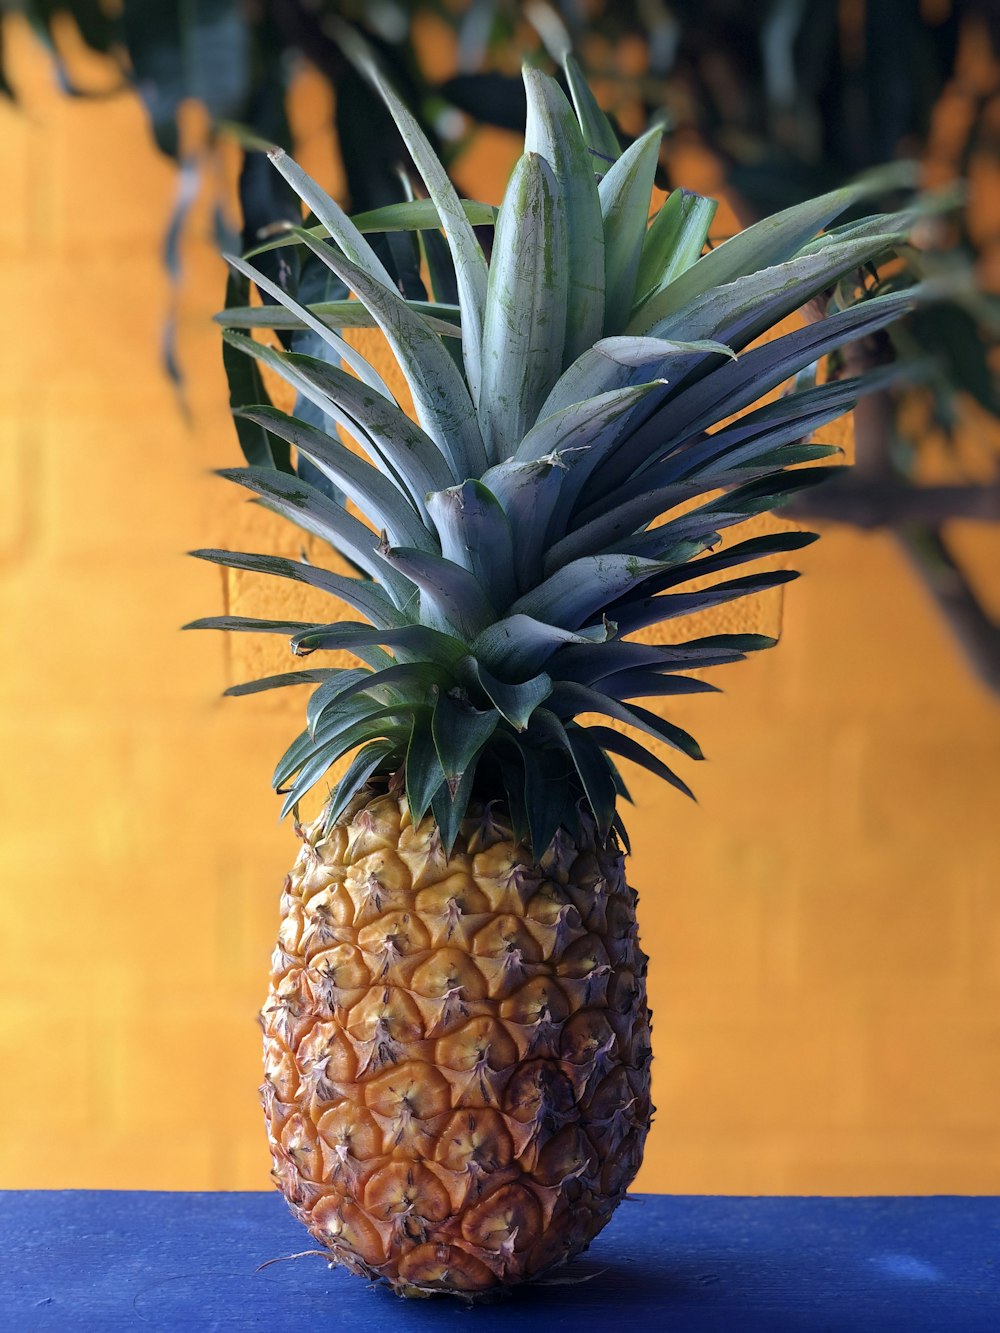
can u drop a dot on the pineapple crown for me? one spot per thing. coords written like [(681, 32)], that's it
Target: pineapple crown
[(567, 476)]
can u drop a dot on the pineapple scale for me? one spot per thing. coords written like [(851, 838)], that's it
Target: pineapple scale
[(457, 1048)]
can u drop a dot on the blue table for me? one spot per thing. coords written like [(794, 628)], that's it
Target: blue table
[(98, 1261)]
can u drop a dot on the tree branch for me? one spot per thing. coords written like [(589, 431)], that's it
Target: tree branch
[(977, 634), (892, 504)]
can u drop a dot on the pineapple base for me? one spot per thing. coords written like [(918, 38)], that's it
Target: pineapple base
[(457, 1048)]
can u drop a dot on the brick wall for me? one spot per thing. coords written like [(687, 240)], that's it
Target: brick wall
[(824, 926)]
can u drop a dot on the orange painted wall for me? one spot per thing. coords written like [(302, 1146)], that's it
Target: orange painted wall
[(824, 927)]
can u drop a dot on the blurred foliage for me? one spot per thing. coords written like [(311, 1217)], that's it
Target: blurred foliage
[(792, 96)]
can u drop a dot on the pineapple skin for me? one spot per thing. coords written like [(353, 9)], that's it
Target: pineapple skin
[(457, 1048)]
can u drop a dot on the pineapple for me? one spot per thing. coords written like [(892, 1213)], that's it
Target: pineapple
[(457, 1039)]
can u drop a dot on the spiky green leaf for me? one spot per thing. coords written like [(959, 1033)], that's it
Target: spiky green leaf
[(618, 743), (451, 598), (597, 130), (460, 731), (525, 325), (440, 396), (470, 263), (553, 132), (475, 533), (391, 439), (674, 241), (360, 594), (624, 195), (517, 647), (379, 497)]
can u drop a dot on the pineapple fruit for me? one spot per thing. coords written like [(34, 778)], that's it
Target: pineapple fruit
[(457, 1038)]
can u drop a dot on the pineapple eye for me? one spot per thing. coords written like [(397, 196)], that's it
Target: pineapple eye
[(509, 1219), (536, 1001), (411, 1089), (478, 1040), (449, 972), (405, 1188), (505, 936), (475, 1143), (352, 1127)]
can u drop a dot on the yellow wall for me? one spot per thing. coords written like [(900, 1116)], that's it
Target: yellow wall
[(824, 926)]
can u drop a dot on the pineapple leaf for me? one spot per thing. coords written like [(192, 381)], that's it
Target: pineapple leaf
[(597, 131), (470, 263), (360, 594), (440, 317), (738, 311), (440, 396), (622, 833), (611, 529), (334, 220), (639, 684), (624, 195), (309, 509), (598, 777), (518, 646), (321, 759), (576, 439), (420, 215), (525, 325), (673, 242), (742, 382), (248, 625), (405, 215), (310, 756), (421, 640), (441, 272), (755, 497), (475, 533), (246, 386), (424, 774), (773, 240), (360, 770), (590, 427), (285, 678), (449, 808), (547, 787), (403, 682), (588, 761), (343, 349), (386, 431), (510, 763), (638, 612), (723, 456), (589, 663), (925, 205), (378, 496), (338, 683), (569, 698), (528, 494), (573, 594), (451, 598), (515, 703), (753, 548), (628, 748), (460, 732), (553, 132), (616, 363)]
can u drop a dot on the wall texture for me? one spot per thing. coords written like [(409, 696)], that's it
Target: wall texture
[(824, 926)]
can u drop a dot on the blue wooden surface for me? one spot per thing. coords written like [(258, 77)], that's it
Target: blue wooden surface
[(99, 1261)]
